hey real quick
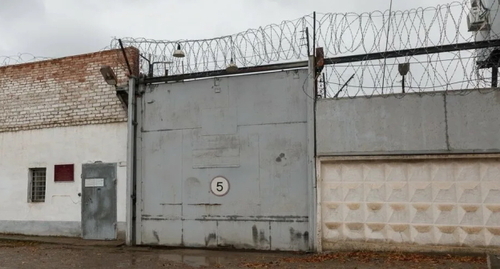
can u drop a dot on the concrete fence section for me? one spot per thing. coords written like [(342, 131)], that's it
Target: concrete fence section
[(454, 122), (407, 170)]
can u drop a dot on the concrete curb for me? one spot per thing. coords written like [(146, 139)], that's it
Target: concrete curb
[(68, 241)]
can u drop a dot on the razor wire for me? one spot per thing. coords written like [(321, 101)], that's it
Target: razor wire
[(337, 33), (21, 58), (430, 73)]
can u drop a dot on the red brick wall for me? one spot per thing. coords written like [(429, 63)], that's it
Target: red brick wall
[(63, 92)]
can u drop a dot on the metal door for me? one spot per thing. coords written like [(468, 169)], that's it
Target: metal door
[(224, 163), (99, 201)]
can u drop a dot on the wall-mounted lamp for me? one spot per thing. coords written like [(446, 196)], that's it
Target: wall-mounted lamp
[(109, 75), (231, 67), (178, 53), (403, 69)]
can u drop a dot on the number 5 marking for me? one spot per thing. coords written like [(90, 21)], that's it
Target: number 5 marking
[(219, 186)]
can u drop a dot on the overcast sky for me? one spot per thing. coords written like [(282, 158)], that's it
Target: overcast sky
[(55, 28)]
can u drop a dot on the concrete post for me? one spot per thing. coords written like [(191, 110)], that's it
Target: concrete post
[(129, 235), (310, 91)]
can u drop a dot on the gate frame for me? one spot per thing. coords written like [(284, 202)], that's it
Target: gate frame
[(134, 192)]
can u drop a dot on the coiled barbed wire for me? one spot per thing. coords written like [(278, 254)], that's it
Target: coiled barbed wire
[(337, 33), (20, 59), (428, 74), (342, 34)]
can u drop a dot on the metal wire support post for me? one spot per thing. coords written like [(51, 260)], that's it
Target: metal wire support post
[(324, 85), (403, 84), (494, 77), (307, 42), (343, 86), (150, 67), (314, 33), (386, 46), (126, 59)]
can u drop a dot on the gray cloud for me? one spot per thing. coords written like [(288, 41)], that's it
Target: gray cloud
[(21, 10), (64, 27)]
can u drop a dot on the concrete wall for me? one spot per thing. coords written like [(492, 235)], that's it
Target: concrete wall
[(454, 122), (410, 202), (402, 172), (60, 214)]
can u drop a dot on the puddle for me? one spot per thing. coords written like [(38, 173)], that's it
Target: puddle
[(192, 260)]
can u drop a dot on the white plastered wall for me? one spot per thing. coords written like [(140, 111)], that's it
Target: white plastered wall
[(77, 145)]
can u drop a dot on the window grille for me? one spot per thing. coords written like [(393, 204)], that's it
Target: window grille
[(37, 185)]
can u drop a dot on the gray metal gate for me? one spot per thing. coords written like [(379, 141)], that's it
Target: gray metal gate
[(223, 162), (99, 201)]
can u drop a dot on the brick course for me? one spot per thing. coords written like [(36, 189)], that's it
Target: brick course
[(68, 91)]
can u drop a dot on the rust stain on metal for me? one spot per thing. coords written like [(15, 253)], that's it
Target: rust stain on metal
[(320, 60)]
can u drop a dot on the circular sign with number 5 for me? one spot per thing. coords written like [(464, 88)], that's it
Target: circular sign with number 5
[(219, 186)]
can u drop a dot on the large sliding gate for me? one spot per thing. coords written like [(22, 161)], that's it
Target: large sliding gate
[(225, 162)]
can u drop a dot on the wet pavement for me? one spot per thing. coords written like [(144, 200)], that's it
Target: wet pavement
[(29, 254)]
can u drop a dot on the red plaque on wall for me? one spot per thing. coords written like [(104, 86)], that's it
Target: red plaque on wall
[(64, 173)]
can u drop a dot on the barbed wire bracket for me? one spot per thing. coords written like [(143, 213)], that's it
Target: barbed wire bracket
[(319, 64), (126, 58)]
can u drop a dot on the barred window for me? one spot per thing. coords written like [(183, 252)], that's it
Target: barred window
[(37, 185)]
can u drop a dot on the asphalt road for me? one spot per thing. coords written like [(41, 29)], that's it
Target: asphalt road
[(41, 255)]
